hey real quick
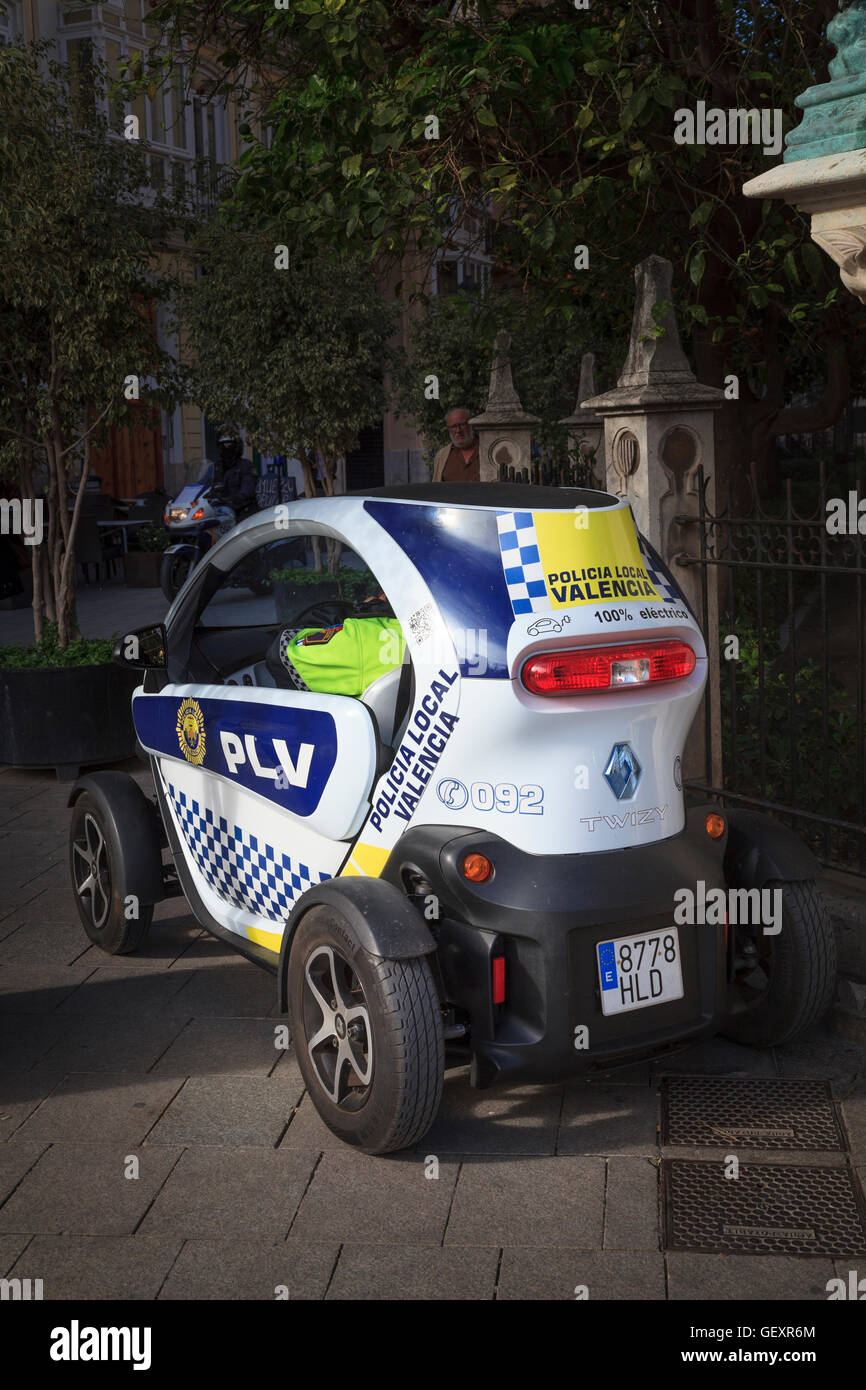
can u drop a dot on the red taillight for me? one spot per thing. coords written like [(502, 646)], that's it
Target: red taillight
[(499, 979), (607, 668)]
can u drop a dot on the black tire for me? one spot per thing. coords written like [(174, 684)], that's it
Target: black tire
[(792, 984), (173, 574), (96, 870), (386, 1084)]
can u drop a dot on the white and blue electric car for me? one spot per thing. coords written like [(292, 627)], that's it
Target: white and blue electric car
[(482, 858)]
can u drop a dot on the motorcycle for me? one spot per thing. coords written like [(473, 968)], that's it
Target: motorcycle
[(199, 515)]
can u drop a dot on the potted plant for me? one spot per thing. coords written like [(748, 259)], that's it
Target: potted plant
[(64, 707), (141, 567)]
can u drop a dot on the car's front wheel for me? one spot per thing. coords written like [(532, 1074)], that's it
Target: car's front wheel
[(174, 572), (367, 1033), (115, 921)]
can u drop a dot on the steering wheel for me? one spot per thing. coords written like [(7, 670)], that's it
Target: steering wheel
[(327, 613)]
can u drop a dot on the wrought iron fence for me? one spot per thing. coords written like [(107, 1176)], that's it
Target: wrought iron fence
[(792, 695), (567, 473)]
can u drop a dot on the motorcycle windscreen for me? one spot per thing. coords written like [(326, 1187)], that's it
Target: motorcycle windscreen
[(265, 788)]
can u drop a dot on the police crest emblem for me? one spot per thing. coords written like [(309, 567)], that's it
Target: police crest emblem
[(190, 732)]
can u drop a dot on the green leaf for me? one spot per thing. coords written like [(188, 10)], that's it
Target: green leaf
[(545, 235), (523, 52), (606, 194), (372, 53), (485, 116), (701, 215), (697, 266), (584, 118), (351, 166), (812, 261)]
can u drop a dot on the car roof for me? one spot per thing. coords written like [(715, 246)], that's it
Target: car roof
[(495, 496)]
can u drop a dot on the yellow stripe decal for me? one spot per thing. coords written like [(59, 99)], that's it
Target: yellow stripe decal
[(271, 940), (367, 861)]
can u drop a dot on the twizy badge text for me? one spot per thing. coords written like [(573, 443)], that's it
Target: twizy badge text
[(417, 757), (647, 817)]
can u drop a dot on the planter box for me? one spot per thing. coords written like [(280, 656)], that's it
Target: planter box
[(66, 717), (141, 568)]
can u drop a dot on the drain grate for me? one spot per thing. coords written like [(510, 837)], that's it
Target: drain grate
[(751, 1114), (770, 1209)]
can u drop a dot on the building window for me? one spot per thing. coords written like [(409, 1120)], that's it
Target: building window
[(10, 22), (466, 274), (179, 131)]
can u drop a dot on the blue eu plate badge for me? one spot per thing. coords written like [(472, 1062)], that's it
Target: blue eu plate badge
[(607, 965)]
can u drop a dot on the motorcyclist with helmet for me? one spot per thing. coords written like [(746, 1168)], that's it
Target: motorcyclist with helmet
[(235, 477)]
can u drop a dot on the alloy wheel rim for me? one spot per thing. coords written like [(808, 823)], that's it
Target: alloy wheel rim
[(93, 872), (337, 1029)]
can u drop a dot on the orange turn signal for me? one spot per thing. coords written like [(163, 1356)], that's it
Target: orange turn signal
[(477, 868), (715, 826)]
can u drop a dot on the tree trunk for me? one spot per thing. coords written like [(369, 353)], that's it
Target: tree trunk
[(66, 590)]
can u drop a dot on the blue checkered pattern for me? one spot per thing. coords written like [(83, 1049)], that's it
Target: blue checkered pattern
[(256, 878), (521, 561), (668, 592)]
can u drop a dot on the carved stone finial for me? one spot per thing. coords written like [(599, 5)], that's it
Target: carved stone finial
[(502, 390), (834, 119), (587, 378), (503, 403), (652, 358)]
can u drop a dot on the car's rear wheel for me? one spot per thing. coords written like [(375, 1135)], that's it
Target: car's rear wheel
[(783, 983), (367, 1033), (112, 920)]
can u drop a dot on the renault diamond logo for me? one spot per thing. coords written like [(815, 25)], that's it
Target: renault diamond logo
[(623, 772)]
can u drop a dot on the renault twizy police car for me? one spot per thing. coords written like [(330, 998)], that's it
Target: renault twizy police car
[(486, 857)]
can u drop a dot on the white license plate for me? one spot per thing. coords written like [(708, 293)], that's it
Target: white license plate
[(636, 972)]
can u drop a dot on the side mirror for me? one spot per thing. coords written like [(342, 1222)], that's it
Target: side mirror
[(143, 650)]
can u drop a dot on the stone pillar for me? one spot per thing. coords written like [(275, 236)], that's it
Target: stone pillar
[(658, 423), (505, 429), (824, 168), (586, 427)]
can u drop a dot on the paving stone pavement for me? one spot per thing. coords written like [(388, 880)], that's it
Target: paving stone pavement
[(156, 1144)]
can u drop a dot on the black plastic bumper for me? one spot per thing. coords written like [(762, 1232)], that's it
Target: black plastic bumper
[(545, 914)]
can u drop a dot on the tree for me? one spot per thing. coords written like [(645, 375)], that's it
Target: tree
[(386, 117), (78, 288), (295, 356), (453, 338)]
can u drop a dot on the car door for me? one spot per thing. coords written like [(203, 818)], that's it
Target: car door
[(266, 788)]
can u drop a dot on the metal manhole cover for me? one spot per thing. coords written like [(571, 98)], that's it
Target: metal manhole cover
[(750, 1114), (770, 1209)]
